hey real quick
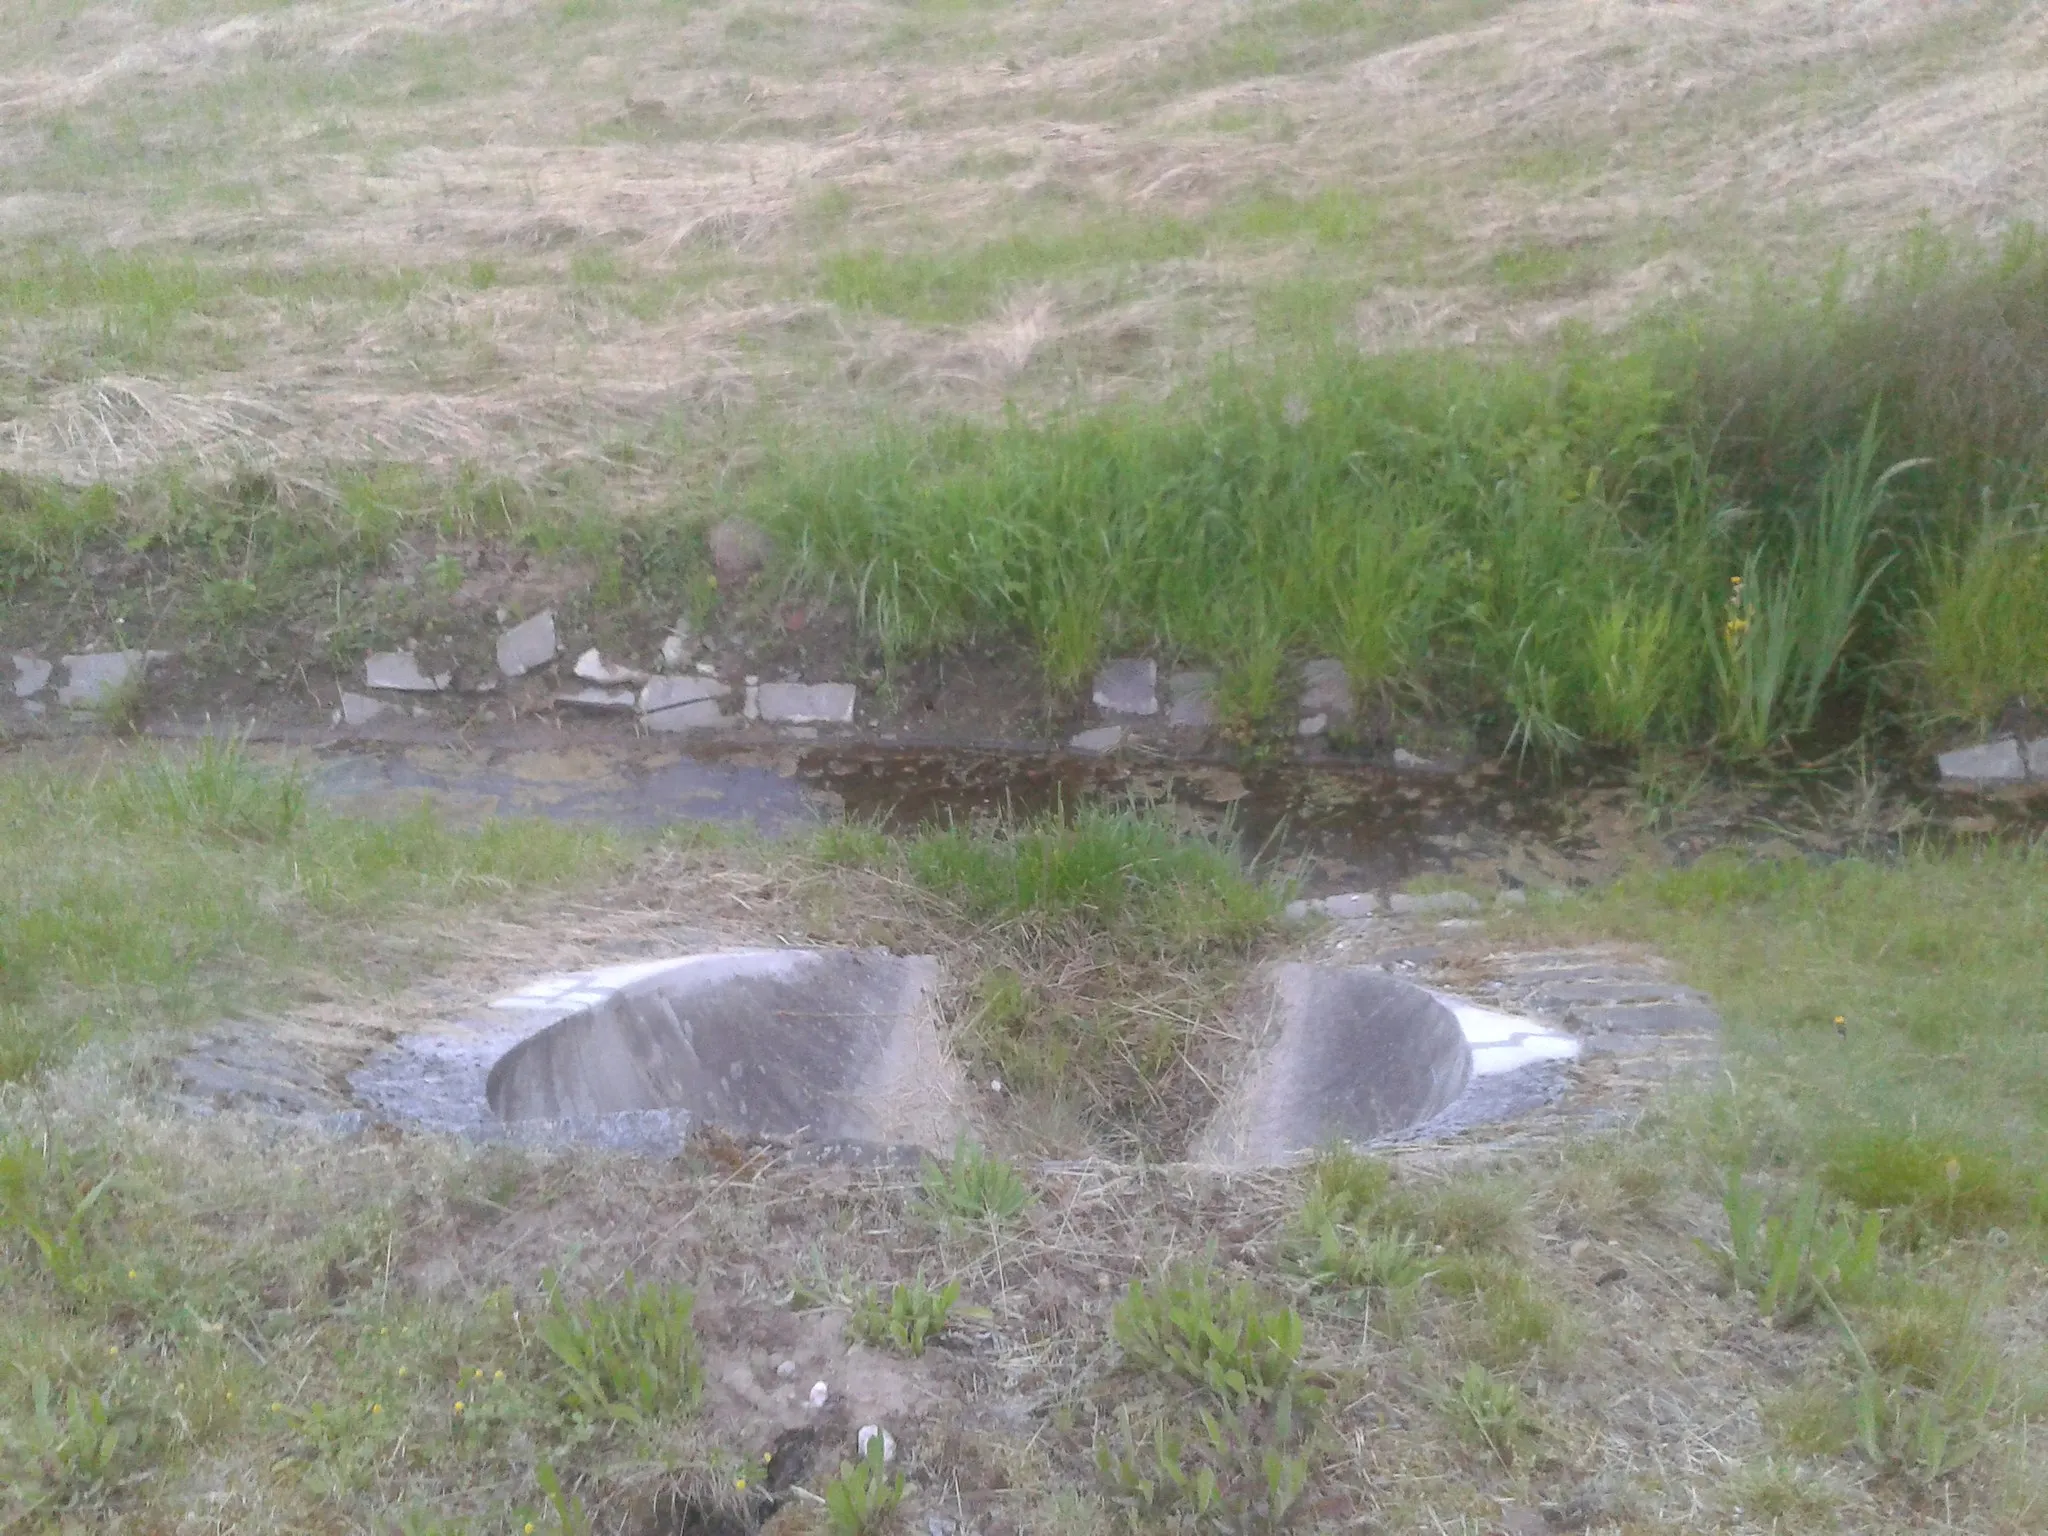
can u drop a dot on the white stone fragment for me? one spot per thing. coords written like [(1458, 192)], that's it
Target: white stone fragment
[(1312, 725), (867, 1434), (526, 646), (593, 668), (819, 1394)]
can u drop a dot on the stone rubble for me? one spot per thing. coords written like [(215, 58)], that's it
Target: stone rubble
[(526, 646), (805, 703), (400, 672), (1101, 740), (1325, 689), (593, 668), (1191, 700), (621, 700), (683, 703), (359, 709), (31, 675), (93, 678), (1128, 685)]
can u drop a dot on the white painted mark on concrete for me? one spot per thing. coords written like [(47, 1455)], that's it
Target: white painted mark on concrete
[(1502, 1042)]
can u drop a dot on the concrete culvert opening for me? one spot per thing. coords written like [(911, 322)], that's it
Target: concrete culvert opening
[(829, 1045), (1341, 1055)]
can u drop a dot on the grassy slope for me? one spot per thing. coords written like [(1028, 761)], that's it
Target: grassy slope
[(569, 277), (285, 1348)]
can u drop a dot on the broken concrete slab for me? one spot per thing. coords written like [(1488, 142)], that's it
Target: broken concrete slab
[(1096, 742), (31, 675), (2037, 758), (526, 646), (359, 709), (805, 703), (1344, 1054), (1991, 762), (1346, 906), (683, 704), (819, 1045), (94, 678), (1326, 688), (1404, 904), (1128, 685), (601, 700), (400, 672), (1191, 700), (593, 668)]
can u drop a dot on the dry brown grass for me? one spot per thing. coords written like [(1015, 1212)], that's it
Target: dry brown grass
[(614, 212)]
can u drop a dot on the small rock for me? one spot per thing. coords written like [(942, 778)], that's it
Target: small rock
[(819, 1393), (1191, 700), (705, 669), (675, 650), (1993, 762), (93, 678), (806, 703), (1403, 904), (603, 700), (1102, 739), (1407, 762), (32, 675), (2037, 757), (868, 1433), (360, 709), (786, 1370), (399, 672), (526, 646), (995, 1085), (738, 549), (1128, 686), (593, 668), (1313, 725), (1326, 688), (941, 1525)]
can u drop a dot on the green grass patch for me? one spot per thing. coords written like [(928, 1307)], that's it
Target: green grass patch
[(171, 889), (1926, 1102)]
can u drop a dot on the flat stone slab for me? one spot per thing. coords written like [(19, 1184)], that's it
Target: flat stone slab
[(684, 704), (1344, 1054), (31, 676), (831, 1045), (2037, 757), (526, 646), (806, 703), (1191, 700), (360, 709), (1128, 685), (615, 700), (1096, 742), (1347, 906), (93, 678), (1403, 904), (1325, 688), (399, 672), (1993, 762)]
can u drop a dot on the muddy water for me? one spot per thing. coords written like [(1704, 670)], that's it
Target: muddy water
[(1331, 827)]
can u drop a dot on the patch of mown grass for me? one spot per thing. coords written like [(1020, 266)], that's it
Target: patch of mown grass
[(944, 288), (166, 889)]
